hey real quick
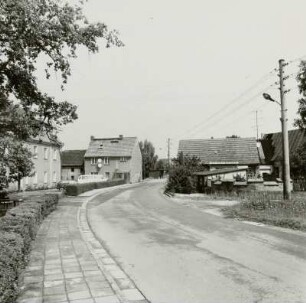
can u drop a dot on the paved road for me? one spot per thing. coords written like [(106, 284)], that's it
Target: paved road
[(180, 254)]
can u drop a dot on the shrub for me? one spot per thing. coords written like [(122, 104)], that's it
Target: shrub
[(17, 229), (79, 188), (12, 260), (180, 181)]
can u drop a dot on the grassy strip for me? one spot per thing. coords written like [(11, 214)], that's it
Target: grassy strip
[(17, 230), (289, 214)]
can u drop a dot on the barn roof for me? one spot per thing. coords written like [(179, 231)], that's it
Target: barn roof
[(72, 157), (272, 143), (227, 150)]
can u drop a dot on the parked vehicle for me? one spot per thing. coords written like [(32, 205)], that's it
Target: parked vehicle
[(91, 178)]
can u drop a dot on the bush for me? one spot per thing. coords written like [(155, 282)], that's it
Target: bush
[(12, 260), (180, 181), (17, 230), (79, 188)]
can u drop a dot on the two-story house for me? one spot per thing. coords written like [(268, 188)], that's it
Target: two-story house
[(72, 164), (47, 164), (118, 157)]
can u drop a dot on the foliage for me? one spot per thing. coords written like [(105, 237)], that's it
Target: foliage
[(180, 175), (301, 79), (271, 209), (17, 158), (17, 229), (29, 31), (298, 162), (79, 188), (149, 158)]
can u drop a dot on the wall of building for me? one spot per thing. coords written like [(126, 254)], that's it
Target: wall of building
[(114, 166), (47, 167), (71, 173), (136, 165)]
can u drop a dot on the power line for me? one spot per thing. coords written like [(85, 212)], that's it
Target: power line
[(233, 101), (235, 109)]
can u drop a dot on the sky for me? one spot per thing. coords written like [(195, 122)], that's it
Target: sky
[(189, 69)]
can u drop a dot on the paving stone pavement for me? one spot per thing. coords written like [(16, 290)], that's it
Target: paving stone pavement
[(68, 264)]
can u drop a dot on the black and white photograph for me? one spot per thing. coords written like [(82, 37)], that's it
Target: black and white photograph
[(152, 151)]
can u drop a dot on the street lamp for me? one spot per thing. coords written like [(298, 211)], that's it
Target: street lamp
[(285, 140)]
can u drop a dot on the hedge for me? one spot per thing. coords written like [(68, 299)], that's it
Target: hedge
[(77, 189), (17, 230)]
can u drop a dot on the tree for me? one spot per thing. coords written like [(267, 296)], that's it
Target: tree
[(180, 176), (30, 30), (16, 161), (298, 162), (148, 157), (301, 79)]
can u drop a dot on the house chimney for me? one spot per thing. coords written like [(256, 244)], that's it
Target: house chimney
[(92, 138), (120, 137)]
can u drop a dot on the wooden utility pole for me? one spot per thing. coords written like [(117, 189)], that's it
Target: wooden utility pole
[(168, 153), (256, 113), (286, 163)]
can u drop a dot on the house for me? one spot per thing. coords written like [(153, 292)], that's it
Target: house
[(118, 157), (273, 149), (72, 164), (229, 163), (47, 164), (227, 153)]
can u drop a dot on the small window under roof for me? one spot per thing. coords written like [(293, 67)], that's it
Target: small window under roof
[(114, 141)]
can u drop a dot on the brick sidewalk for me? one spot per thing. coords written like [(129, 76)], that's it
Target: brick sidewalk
[(61, 267)]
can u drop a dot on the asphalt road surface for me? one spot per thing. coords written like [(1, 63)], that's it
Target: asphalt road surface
[(180, 254)]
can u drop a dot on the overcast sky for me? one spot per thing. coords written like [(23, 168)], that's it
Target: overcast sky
[(189, 69)]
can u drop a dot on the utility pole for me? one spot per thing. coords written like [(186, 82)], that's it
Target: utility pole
[(286, 163), (256, 113), (168, 153)]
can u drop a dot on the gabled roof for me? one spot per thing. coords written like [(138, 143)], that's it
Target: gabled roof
[(228, 150), (272, 143), (72, 157), (111, 147)]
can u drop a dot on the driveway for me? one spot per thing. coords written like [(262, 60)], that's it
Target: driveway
[(175, 253)]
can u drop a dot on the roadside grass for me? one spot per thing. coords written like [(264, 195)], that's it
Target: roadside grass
[(270, 208)]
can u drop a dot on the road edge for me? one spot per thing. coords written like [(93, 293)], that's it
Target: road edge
[(123, 287)]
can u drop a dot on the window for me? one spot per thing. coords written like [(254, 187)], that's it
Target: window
[(54, 176), (54, 154), (123, 159), (94, 173), (46, 153), (45, 177), (93, 161), (72, 177), (101, 146), (106, 161), (35, 154), (107, 175), (72, 170)]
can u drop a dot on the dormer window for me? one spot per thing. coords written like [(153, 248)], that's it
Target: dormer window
[(101, 146)]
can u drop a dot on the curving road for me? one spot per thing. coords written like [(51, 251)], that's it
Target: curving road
[(180, 254)]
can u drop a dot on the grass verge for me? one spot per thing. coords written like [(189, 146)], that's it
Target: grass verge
[(266, 209)]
